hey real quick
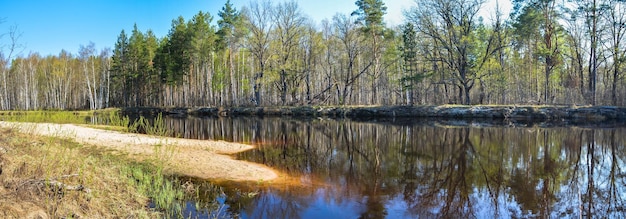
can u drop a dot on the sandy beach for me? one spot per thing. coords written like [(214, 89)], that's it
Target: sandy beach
[(195, 158)]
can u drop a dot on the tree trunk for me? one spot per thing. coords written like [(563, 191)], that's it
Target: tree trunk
[(231, 70), (283, 86), (257, 84), (593, 56), (547, 71), (467, 94)]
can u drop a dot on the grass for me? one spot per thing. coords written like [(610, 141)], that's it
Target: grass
[(62, 117), (164, 194), (108, 119), (58, 178)]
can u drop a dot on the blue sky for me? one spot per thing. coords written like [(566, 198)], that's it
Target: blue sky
[(47, 27)]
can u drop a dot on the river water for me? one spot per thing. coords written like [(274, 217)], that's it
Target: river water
[(410, 168)]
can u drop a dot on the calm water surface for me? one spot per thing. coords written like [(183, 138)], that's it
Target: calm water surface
[(417, 169)]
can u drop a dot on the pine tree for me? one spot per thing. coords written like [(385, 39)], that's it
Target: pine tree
[(370, 17), (229, 34), (119, 69)]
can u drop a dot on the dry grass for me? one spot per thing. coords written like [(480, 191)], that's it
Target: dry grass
[(49, 177), (44, 177)]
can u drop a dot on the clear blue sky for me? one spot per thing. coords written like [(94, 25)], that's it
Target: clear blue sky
[(47, 27)]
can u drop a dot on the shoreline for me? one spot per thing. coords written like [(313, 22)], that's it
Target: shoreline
[(203, 159), (516, 112)]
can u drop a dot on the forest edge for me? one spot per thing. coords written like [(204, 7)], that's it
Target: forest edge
[(516, 112)]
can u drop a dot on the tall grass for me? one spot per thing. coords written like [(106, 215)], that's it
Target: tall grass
[(51, 158), (61, 117), (58, 178), (115, 119), (102, 119), (114, 185), (165, 194), (156, 126)]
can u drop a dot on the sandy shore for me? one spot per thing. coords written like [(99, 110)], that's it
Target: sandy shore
[(196, 158)]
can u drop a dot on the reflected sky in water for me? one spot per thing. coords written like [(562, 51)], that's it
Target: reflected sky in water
[(419, 169)]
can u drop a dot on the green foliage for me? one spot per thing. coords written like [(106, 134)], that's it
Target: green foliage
[(174, 56), (165, 194), (230, 25), (155, 127), (202, 36), (61, 117), (409, 55), (526, 25), (370, 15), (120, 54), (132, 70), (115, 119), (274, 50)]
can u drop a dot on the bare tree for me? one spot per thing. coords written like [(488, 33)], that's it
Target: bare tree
[(616, 18), (105, 78), (347, 33), (289, 22), (451, 25), (87, 58), (7, 51), (592, 12), (257, 19)]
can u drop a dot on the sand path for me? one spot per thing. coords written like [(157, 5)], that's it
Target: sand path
[(196, 158)]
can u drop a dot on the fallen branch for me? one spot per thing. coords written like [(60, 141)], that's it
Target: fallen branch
[(55, 185)]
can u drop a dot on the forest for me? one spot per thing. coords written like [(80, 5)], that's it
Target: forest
[(272, 54)]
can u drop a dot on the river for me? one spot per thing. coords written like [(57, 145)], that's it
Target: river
[(412, 168)]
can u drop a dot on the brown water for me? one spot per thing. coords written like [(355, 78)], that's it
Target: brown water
[(419, 169)]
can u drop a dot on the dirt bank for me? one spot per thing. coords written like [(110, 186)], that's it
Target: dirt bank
[(195, 158)]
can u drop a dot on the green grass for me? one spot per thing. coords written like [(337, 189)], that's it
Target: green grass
[(165, 194), (37, 169), (61, 117), (110, 119), (48, 158)]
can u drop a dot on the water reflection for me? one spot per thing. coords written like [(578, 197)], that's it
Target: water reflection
[(351, 169)]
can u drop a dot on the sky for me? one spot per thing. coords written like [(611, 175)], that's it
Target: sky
[(47, 27)]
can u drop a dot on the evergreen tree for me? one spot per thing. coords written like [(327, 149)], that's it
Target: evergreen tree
[(175, 53), (538, 19), (119, 68), (412, 75), (370, 16), (229, 35)]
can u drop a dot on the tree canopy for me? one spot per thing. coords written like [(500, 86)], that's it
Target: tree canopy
[(265, 53)]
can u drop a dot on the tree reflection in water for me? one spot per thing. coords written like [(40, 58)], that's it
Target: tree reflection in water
[(425, 169)]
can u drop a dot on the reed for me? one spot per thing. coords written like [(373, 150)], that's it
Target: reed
[(115, 119), (156, 127)]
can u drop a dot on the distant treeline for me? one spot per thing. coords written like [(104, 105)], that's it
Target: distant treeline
[(263, 54)]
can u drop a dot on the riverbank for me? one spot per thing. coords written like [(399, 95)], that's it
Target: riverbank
[(45, 177), (516, 112), (66, 170), (189, 157)]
